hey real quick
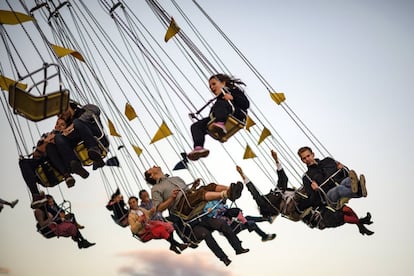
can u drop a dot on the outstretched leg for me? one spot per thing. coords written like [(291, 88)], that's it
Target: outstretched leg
[(202, 233)]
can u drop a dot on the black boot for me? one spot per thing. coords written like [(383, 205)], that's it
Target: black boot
[(226, 261), (363, 230), (366, 219), (85, 244)]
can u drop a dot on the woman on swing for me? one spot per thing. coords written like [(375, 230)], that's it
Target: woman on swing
[(230, 100)]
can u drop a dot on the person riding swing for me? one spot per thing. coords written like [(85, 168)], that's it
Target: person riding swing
[(230, 100)]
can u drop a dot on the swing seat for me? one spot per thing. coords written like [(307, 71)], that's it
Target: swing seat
[(48, 175), (123, 221), (232, 125), (82, 153), (37, 108)]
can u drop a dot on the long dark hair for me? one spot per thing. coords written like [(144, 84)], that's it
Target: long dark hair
[(230, 81)]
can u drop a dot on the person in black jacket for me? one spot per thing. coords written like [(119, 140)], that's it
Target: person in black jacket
[(331, 178), (230, 100)]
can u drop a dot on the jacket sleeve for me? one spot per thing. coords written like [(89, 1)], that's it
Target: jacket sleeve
[(239, 99)]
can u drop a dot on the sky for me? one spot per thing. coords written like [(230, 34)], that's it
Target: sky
[(346, 68)]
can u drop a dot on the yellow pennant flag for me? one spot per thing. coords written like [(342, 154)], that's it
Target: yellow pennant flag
[(137, 150), (6, 82), (278, 97), (112, 130), (14, 18), (249, 123), (61, 52), (172, 30), (130, 112), (265, 133), (248, 153), (162, 132)]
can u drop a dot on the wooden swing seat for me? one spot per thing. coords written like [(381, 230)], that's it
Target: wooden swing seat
[(233, 125)]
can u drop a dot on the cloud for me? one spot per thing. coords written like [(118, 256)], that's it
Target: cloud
[(4, 270), (164, 262)]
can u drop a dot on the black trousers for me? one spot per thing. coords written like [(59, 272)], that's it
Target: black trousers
[(222, 226), (202, 233), (27, 168)]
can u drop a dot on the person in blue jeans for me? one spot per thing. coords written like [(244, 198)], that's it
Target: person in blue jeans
[(330, 176)]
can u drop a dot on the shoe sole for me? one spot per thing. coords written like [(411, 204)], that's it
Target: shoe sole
[(235, 191), (364, 191), (194, 156), (354, 181)]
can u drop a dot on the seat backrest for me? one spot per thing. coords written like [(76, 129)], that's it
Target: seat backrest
[(37, 108), (82, 153), (232, 125), (123, 221)]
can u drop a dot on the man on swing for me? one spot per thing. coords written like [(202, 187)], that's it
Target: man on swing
[(332, 177)]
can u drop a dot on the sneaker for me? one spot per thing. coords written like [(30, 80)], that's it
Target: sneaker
[(197, 153), (76, 167), (268, 237), (219, 128), (38, 201), (235, 190), (364, 191), (354, 181), (13, 203), (242, 251), (70, 181)]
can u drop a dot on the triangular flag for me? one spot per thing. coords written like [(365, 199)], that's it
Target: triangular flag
[(113, 161), (13, 18), (183, 163), (278, 97), (137, 150), (162, 132), (112, 130), (265, 133), (6, 82), (172, 30), (130, 112), (249, 123), (248, 153), (61, 52)]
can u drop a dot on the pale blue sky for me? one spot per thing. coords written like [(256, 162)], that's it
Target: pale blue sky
[(346, 68)]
